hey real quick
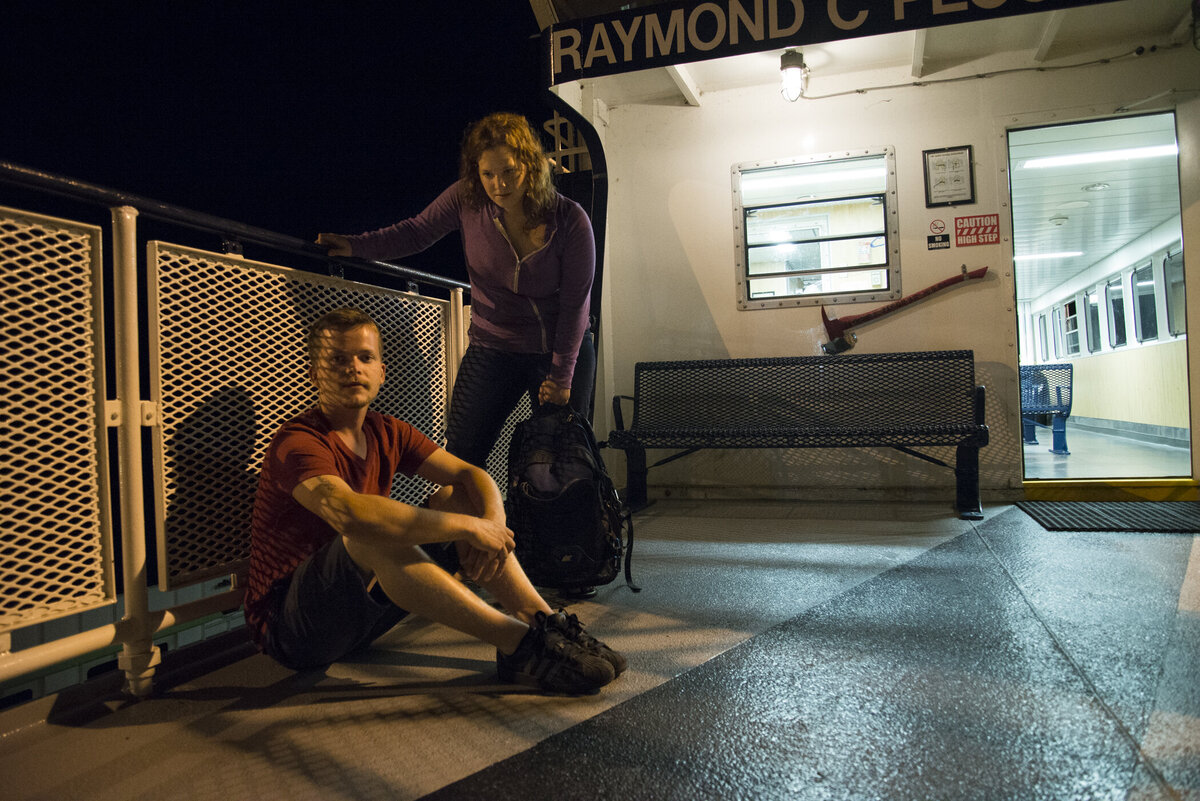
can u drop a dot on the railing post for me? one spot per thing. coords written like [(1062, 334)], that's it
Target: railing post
[(456, 339), (139, 655)]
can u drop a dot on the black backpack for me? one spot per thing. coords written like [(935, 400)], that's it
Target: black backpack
[(571, 527)]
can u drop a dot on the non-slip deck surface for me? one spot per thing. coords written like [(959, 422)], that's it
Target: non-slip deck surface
[(777, 651), (989, 667)]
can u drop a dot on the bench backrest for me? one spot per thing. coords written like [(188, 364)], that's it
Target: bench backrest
[(900, 390), (1046, 389)]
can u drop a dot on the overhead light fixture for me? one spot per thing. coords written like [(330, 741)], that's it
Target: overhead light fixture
[(1058, 219), (1100, 156), (1040, 256), (1098, 187), (795, 75)]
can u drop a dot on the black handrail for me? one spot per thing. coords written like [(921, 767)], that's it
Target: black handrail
[(229, 229)]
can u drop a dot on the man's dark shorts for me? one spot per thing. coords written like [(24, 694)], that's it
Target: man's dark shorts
[(326, 610)]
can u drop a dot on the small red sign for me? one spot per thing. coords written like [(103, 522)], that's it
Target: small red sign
[(982, 229)]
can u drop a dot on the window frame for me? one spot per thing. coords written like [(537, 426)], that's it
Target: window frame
[(1070, 319), (1116, 314), (890, 233), (1091, 311), (1175, 301), (1058, 329), (1145, 316)]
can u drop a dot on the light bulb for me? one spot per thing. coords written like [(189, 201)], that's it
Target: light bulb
[(794, 75)]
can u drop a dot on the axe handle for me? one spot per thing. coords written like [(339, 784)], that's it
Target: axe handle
[(835, 328)]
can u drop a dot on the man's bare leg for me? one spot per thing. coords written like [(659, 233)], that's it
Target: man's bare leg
[(510, 587), (414, 582), (418, 584)]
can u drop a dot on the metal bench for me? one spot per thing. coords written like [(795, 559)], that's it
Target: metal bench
[(1046, 390), (895, 400)]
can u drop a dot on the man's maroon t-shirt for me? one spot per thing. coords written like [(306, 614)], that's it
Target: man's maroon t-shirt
[(284, 533)]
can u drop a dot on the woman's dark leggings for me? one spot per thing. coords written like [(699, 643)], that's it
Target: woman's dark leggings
[(490, 383)]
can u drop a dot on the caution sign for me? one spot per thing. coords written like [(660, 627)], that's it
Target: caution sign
[(983, 229)]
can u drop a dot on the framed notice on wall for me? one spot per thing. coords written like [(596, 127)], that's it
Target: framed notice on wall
[(949, 176)]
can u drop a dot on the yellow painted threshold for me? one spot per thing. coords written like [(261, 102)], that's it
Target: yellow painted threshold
[(1127, 489)]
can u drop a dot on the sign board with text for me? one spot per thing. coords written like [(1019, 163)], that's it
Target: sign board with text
[(681, 31), (978, 229)]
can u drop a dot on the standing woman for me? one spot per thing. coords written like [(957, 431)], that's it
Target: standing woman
[(531, 258)]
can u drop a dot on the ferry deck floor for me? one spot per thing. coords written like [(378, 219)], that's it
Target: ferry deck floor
[(777, 651)]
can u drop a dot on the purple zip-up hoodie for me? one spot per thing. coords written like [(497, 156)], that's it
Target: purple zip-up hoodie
[(531, 305)]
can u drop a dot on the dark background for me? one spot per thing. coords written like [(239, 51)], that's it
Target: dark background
[(296, 117)]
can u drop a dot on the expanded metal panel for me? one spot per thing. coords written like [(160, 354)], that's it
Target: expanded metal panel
[(1046, 389), (812, 401), (55, 537), (497, 463), (228, 366)]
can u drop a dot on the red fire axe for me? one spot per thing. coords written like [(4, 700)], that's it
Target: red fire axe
[(840, 340)]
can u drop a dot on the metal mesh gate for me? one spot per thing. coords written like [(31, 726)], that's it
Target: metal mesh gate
[(228, 366), (54, 518)]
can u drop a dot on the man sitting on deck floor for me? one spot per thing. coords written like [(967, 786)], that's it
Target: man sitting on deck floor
[(335, 562)]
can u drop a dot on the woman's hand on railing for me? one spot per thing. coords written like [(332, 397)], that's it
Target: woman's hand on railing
[(336, 244)]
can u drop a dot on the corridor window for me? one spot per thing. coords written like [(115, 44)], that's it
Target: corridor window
[(1173, 275), (1145, 315), (817, 230), (1093, 321), (1115, 296), (1070, 328), (1057, 313)]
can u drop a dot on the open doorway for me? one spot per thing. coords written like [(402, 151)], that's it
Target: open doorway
[(1098, 258)]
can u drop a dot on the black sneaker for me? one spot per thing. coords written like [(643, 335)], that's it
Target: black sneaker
[(573, 630), (546, 659)]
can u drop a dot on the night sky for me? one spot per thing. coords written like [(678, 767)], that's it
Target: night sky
[(297, 117)]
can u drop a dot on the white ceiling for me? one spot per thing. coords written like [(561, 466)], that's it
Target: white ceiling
[(1140, 195)]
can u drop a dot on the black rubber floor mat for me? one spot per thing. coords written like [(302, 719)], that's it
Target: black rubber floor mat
[(1156, 516)]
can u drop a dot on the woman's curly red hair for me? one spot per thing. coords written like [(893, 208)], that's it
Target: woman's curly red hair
[(512, 131)]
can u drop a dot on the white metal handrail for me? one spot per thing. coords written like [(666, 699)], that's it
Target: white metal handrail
[(230, 230)]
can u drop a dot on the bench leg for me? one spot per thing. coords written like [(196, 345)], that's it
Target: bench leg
[(635, 483), (1028, 431), (966, 476), (1058, 431)]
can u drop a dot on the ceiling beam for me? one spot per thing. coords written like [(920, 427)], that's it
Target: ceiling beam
[(918, 57), (1184, 29), (1049, 34), (683, 80), (545, 13)]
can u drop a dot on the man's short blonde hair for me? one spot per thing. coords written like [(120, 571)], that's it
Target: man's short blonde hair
[(339, 320)]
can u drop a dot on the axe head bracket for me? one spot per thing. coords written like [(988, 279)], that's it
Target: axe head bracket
[(839, 344)]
